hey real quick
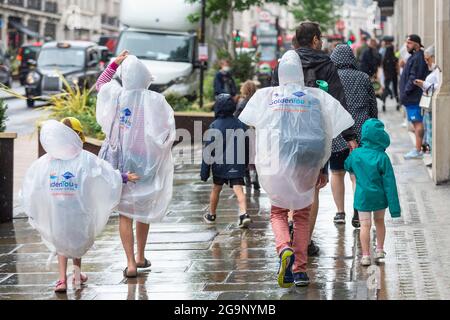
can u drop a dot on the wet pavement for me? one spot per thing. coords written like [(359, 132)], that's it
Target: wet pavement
[(192, 260)]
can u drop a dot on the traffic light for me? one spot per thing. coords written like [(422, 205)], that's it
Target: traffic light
[(351, 39), (237, 37)]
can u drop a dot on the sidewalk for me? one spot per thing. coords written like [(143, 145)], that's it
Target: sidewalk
[(192, 260)]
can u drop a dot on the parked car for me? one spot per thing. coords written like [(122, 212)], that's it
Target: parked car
[(5, 69), (77, 61), (27, 53)]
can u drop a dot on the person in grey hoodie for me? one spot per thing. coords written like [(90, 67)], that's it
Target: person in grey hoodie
[(362, 105)]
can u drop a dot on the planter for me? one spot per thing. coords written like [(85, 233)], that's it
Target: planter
[(6, 176), (192, 120)]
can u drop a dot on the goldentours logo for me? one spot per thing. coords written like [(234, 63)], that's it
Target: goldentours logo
[(296, 100), (125, 118), (64, 184)]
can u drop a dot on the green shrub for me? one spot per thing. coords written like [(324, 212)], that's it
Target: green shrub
[(3, 117), (78, 103)]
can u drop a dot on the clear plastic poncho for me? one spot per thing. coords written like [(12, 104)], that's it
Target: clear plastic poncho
[(69, 194), (295, 127), (140, 130)]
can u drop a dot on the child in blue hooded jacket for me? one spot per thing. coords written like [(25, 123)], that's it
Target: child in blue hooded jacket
[(226, 155), (376, 187)]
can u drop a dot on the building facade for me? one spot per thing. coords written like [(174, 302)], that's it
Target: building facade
[(25, 20)]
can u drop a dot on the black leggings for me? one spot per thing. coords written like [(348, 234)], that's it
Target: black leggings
[(387, 89)]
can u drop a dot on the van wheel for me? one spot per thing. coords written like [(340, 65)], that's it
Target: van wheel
[(30, 103)]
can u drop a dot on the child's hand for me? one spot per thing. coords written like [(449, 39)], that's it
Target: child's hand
[(133, 177), (122, 56)]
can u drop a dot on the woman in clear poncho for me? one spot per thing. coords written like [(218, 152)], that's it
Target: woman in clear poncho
[(295, 127), (139, 126)]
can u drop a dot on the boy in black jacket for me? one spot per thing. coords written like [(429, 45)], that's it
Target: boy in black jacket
[(225, 153)]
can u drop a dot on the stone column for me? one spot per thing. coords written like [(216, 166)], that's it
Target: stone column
[(427, 23), (42, 26), (441, 103)]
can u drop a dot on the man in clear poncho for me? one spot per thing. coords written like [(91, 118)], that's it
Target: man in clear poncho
[(139, 126), (295, 127), (69, 194)]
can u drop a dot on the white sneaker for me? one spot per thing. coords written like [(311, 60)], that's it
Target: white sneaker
[(365, 261), (413, 154), (405, 124), (380, 254)]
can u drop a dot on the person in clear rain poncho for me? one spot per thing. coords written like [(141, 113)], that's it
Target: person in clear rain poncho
[(139, 126), (295, 127), (68, 195)]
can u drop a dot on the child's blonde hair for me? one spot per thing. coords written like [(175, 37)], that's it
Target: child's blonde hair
[(248, 89)]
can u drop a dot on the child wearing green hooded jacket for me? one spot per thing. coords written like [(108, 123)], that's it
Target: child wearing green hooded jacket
[(376, 187)]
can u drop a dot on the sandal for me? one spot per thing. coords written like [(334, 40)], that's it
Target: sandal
[(83, 278), (126, 275), (147, 264), (61, 286)]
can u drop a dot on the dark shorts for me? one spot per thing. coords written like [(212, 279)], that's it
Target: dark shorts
[(231, 182), (337, 160)]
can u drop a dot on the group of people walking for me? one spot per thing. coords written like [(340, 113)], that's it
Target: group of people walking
[(319, 115)]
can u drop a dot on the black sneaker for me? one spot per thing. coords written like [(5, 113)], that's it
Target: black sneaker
[(339, 218), (301, 279), (313, 249), (209, 218), (244, 221), (384, 107), (355, 221)]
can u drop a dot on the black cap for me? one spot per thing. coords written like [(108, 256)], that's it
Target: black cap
[(415, 38)]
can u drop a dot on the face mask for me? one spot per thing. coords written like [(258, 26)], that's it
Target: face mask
[(226, 69), (433, 67)]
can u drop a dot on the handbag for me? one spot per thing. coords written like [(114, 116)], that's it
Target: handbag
[(111, 150), (427, 99)]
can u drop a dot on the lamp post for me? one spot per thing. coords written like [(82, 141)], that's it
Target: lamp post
[(202, 43)]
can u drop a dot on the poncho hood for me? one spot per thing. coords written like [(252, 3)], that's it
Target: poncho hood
[(134, 74), (59, 141), (290, 70)]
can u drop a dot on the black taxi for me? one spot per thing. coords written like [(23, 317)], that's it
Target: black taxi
[(79, 62)]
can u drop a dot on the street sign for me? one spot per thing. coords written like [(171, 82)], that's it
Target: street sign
[(203, 52)]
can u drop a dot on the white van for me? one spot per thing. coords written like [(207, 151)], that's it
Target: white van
[(158, 32)]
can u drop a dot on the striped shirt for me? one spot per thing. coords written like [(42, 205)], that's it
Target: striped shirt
[(106, 76)]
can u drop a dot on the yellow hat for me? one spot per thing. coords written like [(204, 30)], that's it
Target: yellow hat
[(75, 125)]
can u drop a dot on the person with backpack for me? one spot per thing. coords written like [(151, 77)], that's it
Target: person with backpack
[(295, 127), (316, 65)]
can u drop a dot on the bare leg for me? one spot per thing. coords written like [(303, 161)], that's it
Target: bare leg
[(353, 178), (242, 201), (365, 219), (62, 266), (126, 235), (141, 239), (338, 189), (419, 132), (381, 228), (214, 199), (313, 215)]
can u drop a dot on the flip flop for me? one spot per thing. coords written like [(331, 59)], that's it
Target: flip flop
[(126, 275), (147, 264)]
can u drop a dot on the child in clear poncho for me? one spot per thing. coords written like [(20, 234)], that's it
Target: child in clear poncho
[(295, 127), (69, 194)]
